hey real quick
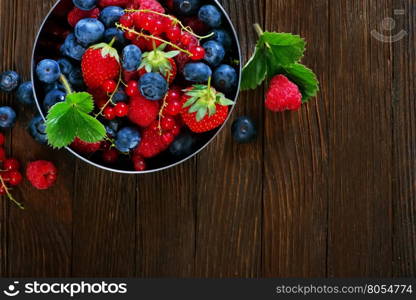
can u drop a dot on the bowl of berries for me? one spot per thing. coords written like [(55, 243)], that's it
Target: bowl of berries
[(135, 86)]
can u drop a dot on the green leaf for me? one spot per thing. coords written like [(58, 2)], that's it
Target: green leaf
[(255, 71), (172, 54), (287, 48), (304, 78), (202, 112), (70, 119)]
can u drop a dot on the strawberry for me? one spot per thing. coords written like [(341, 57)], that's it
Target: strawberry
[(142, 111), (204, 109), (84, 147), (77, 14), (99, 64)]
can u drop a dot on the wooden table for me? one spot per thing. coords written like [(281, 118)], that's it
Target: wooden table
[(326, 191)]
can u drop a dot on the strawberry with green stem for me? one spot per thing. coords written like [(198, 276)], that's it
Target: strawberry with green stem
[(204, 109)]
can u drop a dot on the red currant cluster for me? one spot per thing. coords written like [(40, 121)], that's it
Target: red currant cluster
[(119, 110)]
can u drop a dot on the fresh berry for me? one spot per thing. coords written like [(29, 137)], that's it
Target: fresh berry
[(100, 63), (9, 81), (65, 66), (76, 14), (110, 15), (121, 109), (139, 163), (110, 156), (173, 108), (52, 98), (11, 164), (196, 25), (48, 71), (161, 62), (105, 3), (109, 113), (2, 139), (132, 88), (15, 178), (197, 72), (167, 123), (186, 38), (223, 37), (152, 5), (198, 53), (214, 53), (7, 117), (37, 129), (283, 95), (85, 4), (89, 31), (112, 129), (127, 20), (167, 138), (84, 147), (183, 145), (186, 7), (109, 86), (153, 86), (127, 139), (243, 130), (53, 86), (210, 15), (174, 33), (225, 78), (120, 96), (151, 144), (116, 33), (130, 76), (24, 93), (132, 58), (75, 78), (41, 174), (72, 48), (204, 109), (143, 112), (181, 60), (2, 154)]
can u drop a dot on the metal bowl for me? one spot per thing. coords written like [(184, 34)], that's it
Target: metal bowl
[(47, 45)]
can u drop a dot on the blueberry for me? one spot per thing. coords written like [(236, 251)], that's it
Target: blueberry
[(53, 86), (183, 145), (48, 71), (153, 86), (112, 32), (225, 78), (197, 72), (7, 117), (24, 93), (85, 4), (186, 7), (110, 15), (120, 96), (127, 139), (72, 48), (223, 37), (112, 128), (210, 15), (89, 31), (65, 66), (52, 98), (132, 58), (75, 78), (243, 130), (37, 129), (9, 81), (214, 53)]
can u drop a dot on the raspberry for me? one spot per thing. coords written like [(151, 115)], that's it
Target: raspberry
[(84, 147), (121, 3), (283, 95), (77, 14), (143, 112), (41, 174), (152, 5)]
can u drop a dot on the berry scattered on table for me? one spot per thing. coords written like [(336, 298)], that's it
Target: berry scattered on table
[(9, 81), (7, 117), (41, 174), (283, 95), (24, 93), (243, 130), (37, 129)]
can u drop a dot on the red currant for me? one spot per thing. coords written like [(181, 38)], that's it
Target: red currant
[(173, 95), (157, 27), (186, 39), (167, 123), (2, 154), (109, 86), (109, 113), (15, 178), (198, 53), (121, 109), (147, 22), (168, 138), (110, 156), (174, 33), (132, 88), (11, 164), (2, 190), (137, 19), (139, 163), (2, 139), (5, 176), (173, 108), (127, 20)]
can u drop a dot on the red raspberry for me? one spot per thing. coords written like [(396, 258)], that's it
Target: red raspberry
[(142, 111), (77, 14), (152, 5), (41, 174), (84, 147), (151, 144), (283, 95), (122, 3)]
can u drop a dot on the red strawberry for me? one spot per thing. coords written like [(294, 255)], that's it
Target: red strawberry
[(204, 109), (77, 14), (84, 147), (283, 95), (142, 111), (121, 3), (99, 64)]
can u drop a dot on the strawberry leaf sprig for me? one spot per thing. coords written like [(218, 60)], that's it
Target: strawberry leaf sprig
[(279, 53)]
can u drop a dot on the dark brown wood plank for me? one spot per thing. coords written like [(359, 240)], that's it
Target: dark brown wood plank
[(359, 182), (229, 181), (404, 142), (39, 239), (296, 156), (104, 229), (166, 222)]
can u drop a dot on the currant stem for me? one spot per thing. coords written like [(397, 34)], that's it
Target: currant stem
[(110, 100), (66, 84), (175, 20), (20, 205), (124, 28)]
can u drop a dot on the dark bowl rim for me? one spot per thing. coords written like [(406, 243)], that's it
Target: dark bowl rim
[(158, 169)]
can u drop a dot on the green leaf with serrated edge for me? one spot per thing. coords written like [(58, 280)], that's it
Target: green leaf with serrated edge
[(255, 71), (96, 131), (287, 48), (304, 78), (58, 125), (201, 114), (83, 101)]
